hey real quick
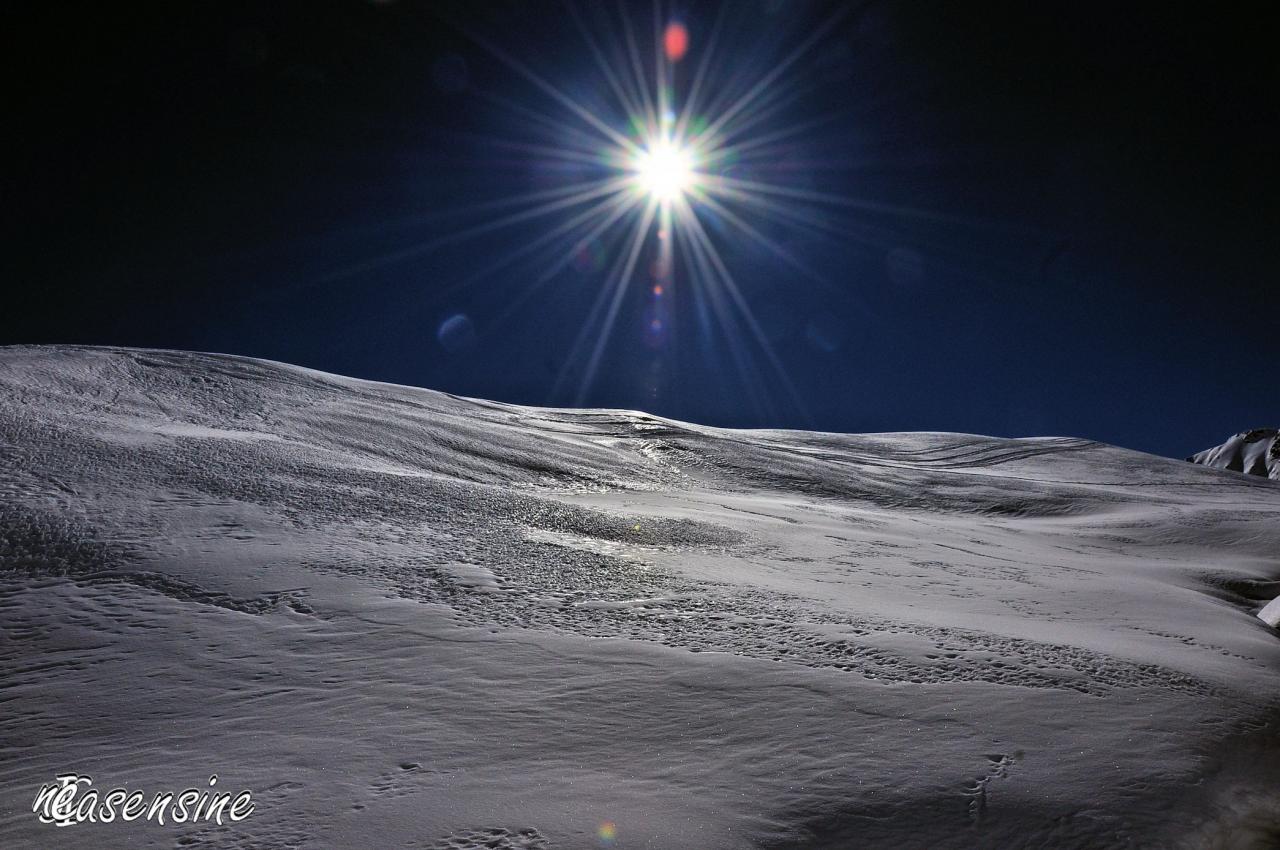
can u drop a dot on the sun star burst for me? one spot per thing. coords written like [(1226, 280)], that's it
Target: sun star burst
[(677, 164), (664, 170)]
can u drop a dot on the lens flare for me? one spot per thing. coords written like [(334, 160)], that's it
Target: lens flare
[(675, 41)]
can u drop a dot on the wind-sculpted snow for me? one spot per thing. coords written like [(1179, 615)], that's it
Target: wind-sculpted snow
[(408, 619), (1255, 452)]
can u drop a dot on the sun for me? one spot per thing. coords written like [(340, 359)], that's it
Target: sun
[(664, 169)]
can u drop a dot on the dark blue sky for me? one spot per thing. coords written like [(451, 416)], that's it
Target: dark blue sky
[(1062, 218)]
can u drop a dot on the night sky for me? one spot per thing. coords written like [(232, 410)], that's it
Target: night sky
[(1061, 217)]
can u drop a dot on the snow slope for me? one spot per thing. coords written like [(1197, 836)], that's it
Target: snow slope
[(1255, 452), (407, 619)]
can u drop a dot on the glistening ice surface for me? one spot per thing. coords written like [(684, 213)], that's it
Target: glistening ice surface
[(407, 619)]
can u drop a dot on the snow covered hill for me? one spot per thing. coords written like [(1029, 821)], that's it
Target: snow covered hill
[(407, 619), (1255, 452)]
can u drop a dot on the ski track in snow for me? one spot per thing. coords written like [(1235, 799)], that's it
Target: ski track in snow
[(404, 618)]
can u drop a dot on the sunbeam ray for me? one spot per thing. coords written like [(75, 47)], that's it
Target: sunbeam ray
[(778, 70), (726, 279), (560, 97), (620, 289), (548, 274), (613, 207), (628, 99), (600, 188)]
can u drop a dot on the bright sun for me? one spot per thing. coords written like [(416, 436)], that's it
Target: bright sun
[(671, 167), (664, 170)]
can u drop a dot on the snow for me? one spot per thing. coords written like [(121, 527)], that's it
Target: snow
[(1255, 452), (408, 619)]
